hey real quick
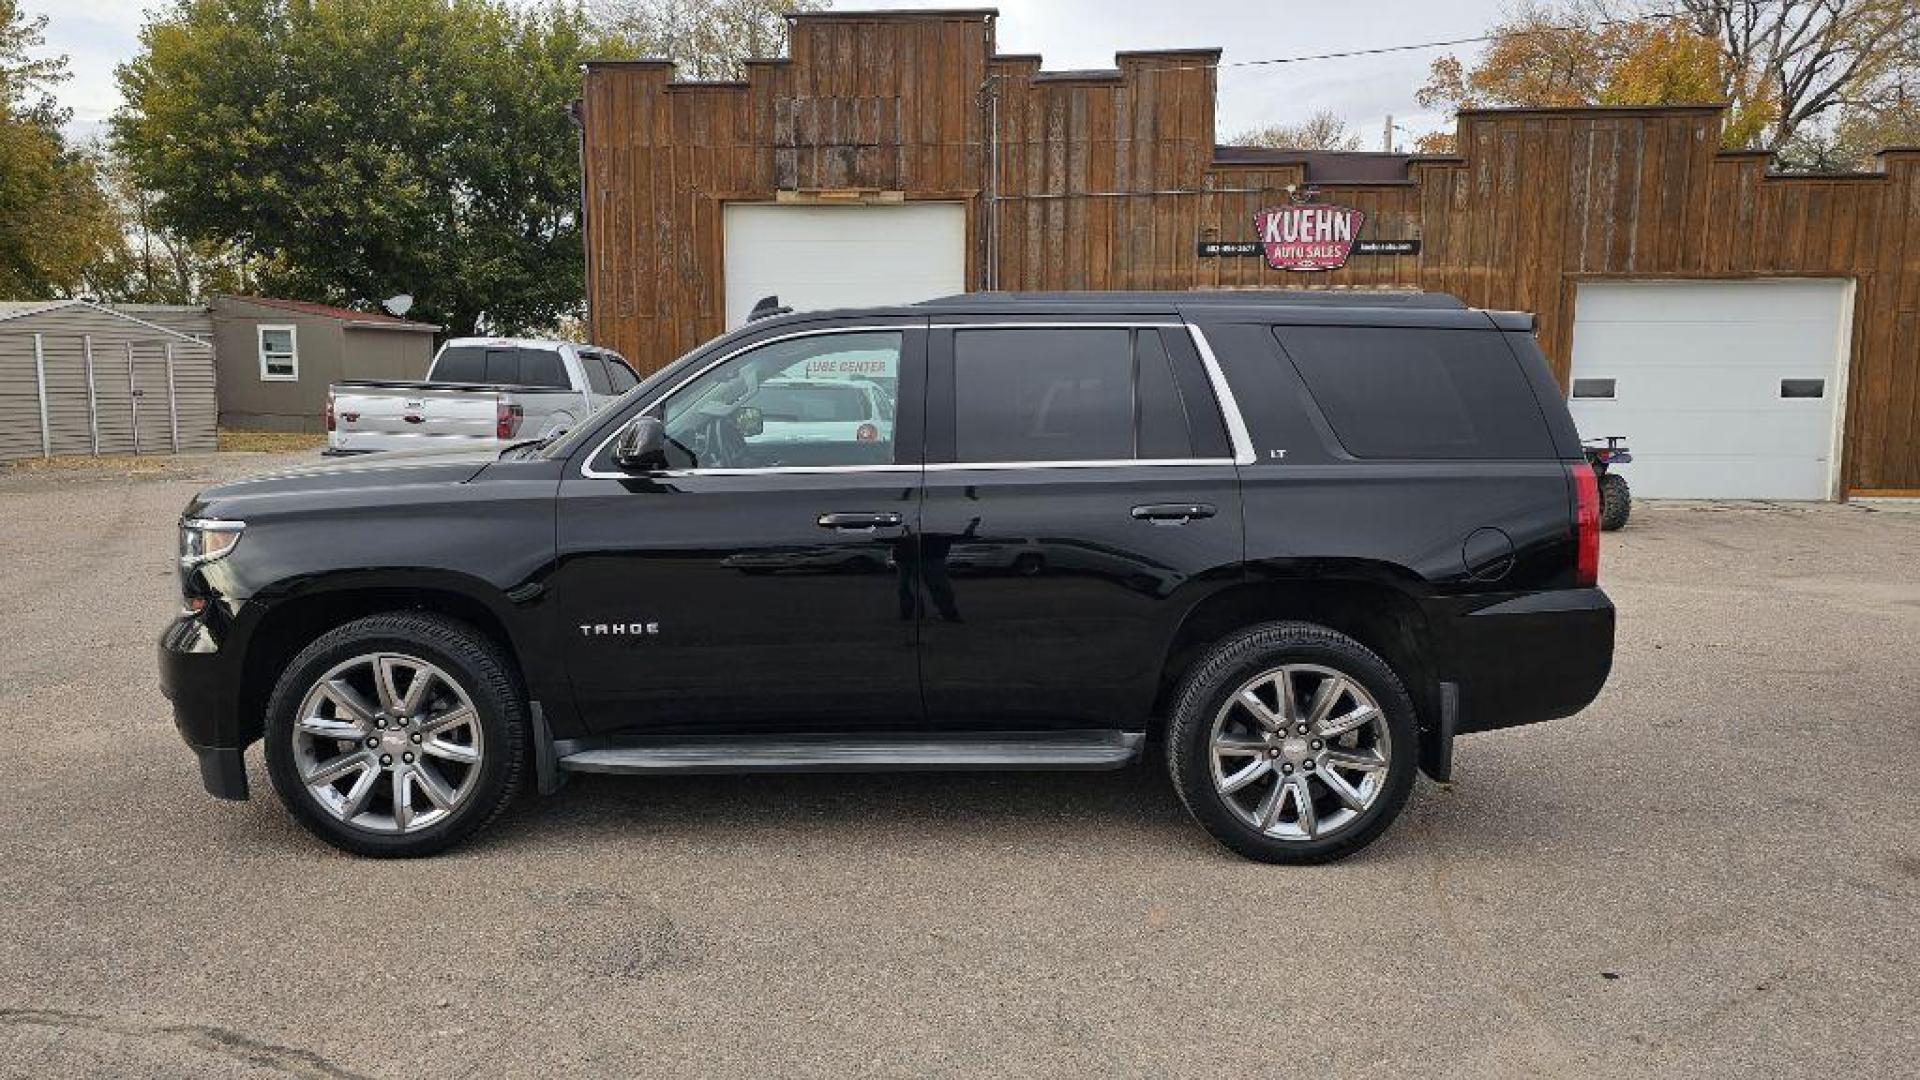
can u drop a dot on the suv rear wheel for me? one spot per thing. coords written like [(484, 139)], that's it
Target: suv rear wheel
[(397, 735), (1292, 743)]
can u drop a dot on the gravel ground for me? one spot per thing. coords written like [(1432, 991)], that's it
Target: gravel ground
[(1713, 870)]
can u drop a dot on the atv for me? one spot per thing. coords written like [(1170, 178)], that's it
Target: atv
[(1616, 499)]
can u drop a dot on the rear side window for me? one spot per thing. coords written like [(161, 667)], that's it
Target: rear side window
[(595, 369), (503, 365), (1043, 395), (1393, 392), (623, 377)]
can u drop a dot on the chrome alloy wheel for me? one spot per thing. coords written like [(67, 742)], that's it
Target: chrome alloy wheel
[(388, 743), (1300, 751)]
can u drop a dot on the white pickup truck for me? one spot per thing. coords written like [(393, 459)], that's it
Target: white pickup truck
[(479, 392)]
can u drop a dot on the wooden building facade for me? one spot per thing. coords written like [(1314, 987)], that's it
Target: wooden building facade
[(1111, 179)]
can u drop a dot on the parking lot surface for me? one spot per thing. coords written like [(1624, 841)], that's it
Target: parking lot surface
[(1714, 869)]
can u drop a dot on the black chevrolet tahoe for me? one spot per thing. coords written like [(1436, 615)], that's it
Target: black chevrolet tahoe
[(1303, 541)]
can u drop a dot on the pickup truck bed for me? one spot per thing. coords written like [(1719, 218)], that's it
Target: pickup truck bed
[(453, 408)]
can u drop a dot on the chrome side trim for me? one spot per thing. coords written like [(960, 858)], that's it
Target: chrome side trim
[(1236, 427), (1229, 408), (1111, 463), (213, 524)]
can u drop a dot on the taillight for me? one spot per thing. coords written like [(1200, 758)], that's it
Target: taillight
[(1586, 522), (867, 433), (329, 413), (506, 421)]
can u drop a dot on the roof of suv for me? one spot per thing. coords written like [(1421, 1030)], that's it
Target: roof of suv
[(1356, 307), (1398, 299)]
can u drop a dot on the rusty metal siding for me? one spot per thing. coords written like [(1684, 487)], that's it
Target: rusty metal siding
[(1107, 180)]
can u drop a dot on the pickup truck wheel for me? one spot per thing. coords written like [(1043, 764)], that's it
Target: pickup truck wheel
[(1291, 743), (397, 735)]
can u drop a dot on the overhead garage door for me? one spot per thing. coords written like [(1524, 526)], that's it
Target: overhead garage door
[(815, 257), (1723, 389)]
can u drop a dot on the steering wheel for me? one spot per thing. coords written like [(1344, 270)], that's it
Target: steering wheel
[(728, 445)]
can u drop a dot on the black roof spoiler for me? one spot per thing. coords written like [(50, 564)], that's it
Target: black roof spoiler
[(767, 308)]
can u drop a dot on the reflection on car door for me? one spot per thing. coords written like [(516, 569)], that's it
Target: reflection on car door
[(751, 587), (1078, 479)]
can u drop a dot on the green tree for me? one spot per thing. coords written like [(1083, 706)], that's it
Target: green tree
[(347, 150), (56, 229), (1794, 73)]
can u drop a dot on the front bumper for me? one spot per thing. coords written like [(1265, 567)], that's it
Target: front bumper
[(1534, 657), (202, 680)]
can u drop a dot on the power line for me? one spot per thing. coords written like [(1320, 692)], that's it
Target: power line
[(1415, 47)]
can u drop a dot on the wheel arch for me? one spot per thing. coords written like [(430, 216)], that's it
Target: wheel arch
[(294, 620), (1370, 605)]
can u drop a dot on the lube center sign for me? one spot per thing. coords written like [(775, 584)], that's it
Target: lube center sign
[(1308, 236)]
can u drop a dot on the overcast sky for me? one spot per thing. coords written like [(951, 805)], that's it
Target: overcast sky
[(98, 34)]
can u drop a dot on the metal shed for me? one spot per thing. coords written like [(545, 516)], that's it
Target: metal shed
[(78, 377)]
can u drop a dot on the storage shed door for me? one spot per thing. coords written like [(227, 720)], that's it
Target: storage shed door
[(1724, 389), (815, 257)]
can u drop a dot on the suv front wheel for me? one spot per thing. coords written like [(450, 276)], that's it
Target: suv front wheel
[(1291, 743), (397, 734)]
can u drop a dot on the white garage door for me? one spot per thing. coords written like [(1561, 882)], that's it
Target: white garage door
[(1723, 389), (815, 257)]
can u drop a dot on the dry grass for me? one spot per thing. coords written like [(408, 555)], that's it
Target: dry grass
[(271, 442), (119, 464)]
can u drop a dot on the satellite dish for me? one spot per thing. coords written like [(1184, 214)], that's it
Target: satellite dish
[(398, 306)]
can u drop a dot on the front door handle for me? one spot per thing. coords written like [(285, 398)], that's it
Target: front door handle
[(859, 521), (1174, 513)]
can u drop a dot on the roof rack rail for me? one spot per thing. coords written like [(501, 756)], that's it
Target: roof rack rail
[(1224, 297)]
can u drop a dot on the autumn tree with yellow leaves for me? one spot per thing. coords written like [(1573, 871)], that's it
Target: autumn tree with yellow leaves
[(1805, 79)]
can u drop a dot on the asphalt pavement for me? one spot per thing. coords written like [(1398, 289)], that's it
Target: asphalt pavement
[(1712, 871)]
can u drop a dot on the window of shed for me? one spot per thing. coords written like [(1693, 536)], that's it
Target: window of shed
[(279, 354)]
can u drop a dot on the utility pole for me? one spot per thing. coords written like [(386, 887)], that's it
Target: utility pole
[(1386, 136)]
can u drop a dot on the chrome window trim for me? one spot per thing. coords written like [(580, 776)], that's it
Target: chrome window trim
[(1223, 400), (589, 472), (1223, 394)]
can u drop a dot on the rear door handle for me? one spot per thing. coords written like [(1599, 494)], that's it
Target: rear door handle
[(859, 521), (1175, 513)]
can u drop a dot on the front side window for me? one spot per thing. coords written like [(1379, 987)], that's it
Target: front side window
[(803, 402), (279, 354)]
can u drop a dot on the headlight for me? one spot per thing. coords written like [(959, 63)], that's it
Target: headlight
[(203, 540)]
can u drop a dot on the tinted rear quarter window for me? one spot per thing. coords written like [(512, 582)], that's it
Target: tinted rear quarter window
[(1393, 392)]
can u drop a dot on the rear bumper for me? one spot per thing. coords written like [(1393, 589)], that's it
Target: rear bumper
[(202, 681), (1536, 657)]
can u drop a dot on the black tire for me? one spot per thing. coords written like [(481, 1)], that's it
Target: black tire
[(1221, 672), (484, 673), (1616, 502)]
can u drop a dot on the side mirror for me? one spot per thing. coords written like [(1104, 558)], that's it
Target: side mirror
[(750, 421), (642, 446)]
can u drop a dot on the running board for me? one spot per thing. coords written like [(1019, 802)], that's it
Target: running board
[(989, 751)]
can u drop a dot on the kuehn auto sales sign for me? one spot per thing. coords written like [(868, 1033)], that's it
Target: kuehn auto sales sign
[(1308, 236)]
